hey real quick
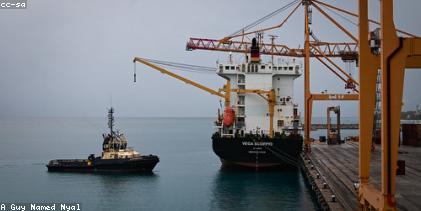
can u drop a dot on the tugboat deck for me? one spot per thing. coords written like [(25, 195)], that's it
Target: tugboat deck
[(337, 166)]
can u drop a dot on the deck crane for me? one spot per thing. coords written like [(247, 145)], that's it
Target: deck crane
[(225, 92)]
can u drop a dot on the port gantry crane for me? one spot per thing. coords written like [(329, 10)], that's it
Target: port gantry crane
[(225, 92), (322, 51), (391, 53), (313, 48)]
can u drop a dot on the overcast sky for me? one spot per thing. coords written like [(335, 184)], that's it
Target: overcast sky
[(69, 58)]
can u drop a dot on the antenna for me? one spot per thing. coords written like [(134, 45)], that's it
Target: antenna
[(272, 38)]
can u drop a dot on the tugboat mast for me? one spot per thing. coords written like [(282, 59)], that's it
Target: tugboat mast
[(111, 120)]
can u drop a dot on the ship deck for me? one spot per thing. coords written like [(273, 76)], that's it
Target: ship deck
[(337, 166)]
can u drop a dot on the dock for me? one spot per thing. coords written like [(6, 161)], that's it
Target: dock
[(332, 171)]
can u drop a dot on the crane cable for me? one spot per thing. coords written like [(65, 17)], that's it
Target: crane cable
[(182, 65), (340, 15), (268, 16), (179, 66)]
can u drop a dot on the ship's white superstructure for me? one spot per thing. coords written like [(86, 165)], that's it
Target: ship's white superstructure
[(115, 143), (251, 109)]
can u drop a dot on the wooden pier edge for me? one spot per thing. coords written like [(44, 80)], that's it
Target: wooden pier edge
[(321, 190)]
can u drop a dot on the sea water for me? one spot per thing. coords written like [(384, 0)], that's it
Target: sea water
[(188, 176)]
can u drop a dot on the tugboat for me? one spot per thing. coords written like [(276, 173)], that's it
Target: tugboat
[(116, 156)]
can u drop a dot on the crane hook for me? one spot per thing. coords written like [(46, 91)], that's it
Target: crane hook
[(134, 72)]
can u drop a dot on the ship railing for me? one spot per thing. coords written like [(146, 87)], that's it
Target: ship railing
[(71, 160), (261, 132), (227, 135)]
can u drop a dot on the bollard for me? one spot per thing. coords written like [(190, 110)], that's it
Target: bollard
[(333, 198)]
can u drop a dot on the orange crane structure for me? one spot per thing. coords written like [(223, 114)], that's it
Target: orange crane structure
[(322, 51), (391, 54), (373, 50)]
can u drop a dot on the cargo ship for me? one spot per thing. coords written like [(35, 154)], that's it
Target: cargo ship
[(116, 156), (260, 126)]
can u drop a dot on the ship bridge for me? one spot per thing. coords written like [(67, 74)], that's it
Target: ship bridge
[(251, 110)]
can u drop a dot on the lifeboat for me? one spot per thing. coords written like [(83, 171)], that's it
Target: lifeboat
[(229, 115)]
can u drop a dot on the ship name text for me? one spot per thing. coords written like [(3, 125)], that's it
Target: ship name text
[(251, 143)]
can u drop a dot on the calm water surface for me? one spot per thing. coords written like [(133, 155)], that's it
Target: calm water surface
[(187, 178)]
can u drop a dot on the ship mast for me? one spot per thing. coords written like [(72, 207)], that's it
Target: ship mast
[(111, 120)]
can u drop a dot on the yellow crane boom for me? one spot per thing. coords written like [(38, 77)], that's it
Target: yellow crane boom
[(224, 92), (219, 93)]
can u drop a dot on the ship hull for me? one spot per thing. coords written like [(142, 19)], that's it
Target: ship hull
[(141, 164), (257, 152)]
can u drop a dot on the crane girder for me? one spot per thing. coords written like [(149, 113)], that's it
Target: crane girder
[(340, 49)]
